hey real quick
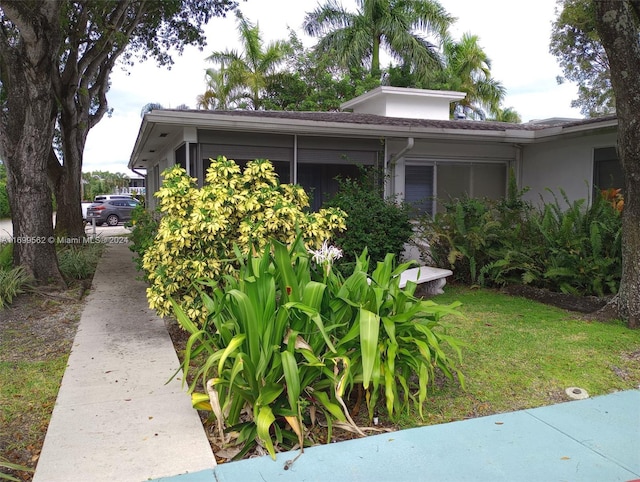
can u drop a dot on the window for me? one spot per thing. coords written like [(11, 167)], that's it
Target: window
[(607, 171), (446, 181), (419, 188), (181, 156)]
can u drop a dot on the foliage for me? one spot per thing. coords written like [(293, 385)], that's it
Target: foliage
[(381, 225), (144, 228), (5, 210), (396, 26), (201, 229), (242, 78), (564, 246), (289, 337), (6, 255), (582, 247), (467, 68), (577, 46), (79, 262), (102, 182), (12, 283), (312, 81), (5, 464)]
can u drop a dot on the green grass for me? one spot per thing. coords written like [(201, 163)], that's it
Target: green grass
[(523, 354)]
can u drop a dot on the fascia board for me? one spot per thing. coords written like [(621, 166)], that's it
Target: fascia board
[(310, 127)]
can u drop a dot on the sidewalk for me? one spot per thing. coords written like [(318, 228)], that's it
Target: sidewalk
[(115, 419)]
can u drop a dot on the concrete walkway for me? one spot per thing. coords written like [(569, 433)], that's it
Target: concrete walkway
[(115, 418)]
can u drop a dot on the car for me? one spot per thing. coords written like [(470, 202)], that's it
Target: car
[(107, 197), (85, 205), (111, 211)]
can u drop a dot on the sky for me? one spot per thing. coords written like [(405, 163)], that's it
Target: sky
[(514, 34)]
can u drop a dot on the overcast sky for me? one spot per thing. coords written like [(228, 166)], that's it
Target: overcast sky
[(515, 35)]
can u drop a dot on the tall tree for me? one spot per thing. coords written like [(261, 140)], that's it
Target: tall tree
[(56, 58), (398, 26), (576, 44), (248, 71), (98, 33), (618, 25), (467, 68), (30, 40)]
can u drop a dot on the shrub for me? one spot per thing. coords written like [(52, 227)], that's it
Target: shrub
[(12, 283), (289, 337), (202, 230), (5, 210), (381, 225), (6, 255), (144, 228), (562, 247), (79, 262)]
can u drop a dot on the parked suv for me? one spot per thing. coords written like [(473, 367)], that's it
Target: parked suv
[(112, 211)]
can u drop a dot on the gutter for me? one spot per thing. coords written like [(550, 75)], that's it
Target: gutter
[(405, 149)]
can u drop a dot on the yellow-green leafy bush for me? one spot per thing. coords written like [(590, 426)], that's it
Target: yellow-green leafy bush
[(201, 228)]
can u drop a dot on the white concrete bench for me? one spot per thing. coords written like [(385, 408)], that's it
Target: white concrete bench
[(435, 278)]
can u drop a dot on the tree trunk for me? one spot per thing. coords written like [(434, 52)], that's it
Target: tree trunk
[(26, 133), (66, 179), (617, 25)]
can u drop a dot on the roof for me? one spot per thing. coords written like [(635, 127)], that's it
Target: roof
[(347, 124)]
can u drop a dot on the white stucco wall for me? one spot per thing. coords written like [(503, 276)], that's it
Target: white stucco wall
[(565, 164)]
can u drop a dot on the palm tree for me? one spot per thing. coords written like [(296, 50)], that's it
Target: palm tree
[(508, 114), (248, 72), (468, 69), (394, 25), (221, 94)]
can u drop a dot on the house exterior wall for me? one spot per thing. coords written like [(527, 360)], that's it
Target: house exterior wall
[(565, 164)]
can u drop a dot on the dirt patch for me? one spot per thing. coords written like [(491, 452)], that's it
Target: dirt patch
[(37, 327), (581, 304)]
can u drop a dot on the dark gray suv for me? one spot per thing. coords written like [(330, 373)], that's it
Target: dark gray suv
[(111, 211)]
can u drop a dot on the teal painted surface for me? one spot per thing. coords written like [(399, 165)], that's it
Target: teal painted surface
[(590, 440), (202, 476)]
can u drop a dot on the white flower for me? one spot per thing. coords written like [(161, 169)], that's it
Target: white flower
[(326, 254)]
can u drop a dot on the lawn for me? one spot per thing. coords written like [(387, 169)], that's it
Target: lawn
[(524, 354)]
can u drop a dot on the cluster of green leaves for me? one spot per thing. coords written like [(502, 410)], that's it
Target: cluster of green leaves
[(201, 228), (565, 246), (12, 282), (5, 211), (576, 44), (381, 225), (144, 227), (289, 339), (102, 182), (79, 262)]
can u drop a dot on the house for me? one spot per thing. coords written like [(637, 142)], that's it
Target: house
[(406, 131)]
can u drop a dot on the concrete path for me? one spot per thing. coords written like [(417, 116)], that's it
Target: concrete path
[(115, 418), (582, 441)]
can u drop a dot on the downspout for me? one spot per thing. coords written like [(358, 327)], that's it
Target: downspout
[(392, 162), (405, 149)]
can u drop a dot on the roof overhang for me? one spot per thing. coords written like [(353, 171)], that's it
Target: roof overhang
[(159, 126)]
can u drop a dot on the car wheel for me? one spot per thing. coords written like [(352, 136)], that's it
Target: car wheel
[(112, 220)]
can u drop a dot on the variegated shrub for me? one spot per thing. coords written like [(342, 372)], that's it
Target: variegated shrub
[(202, 230)]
